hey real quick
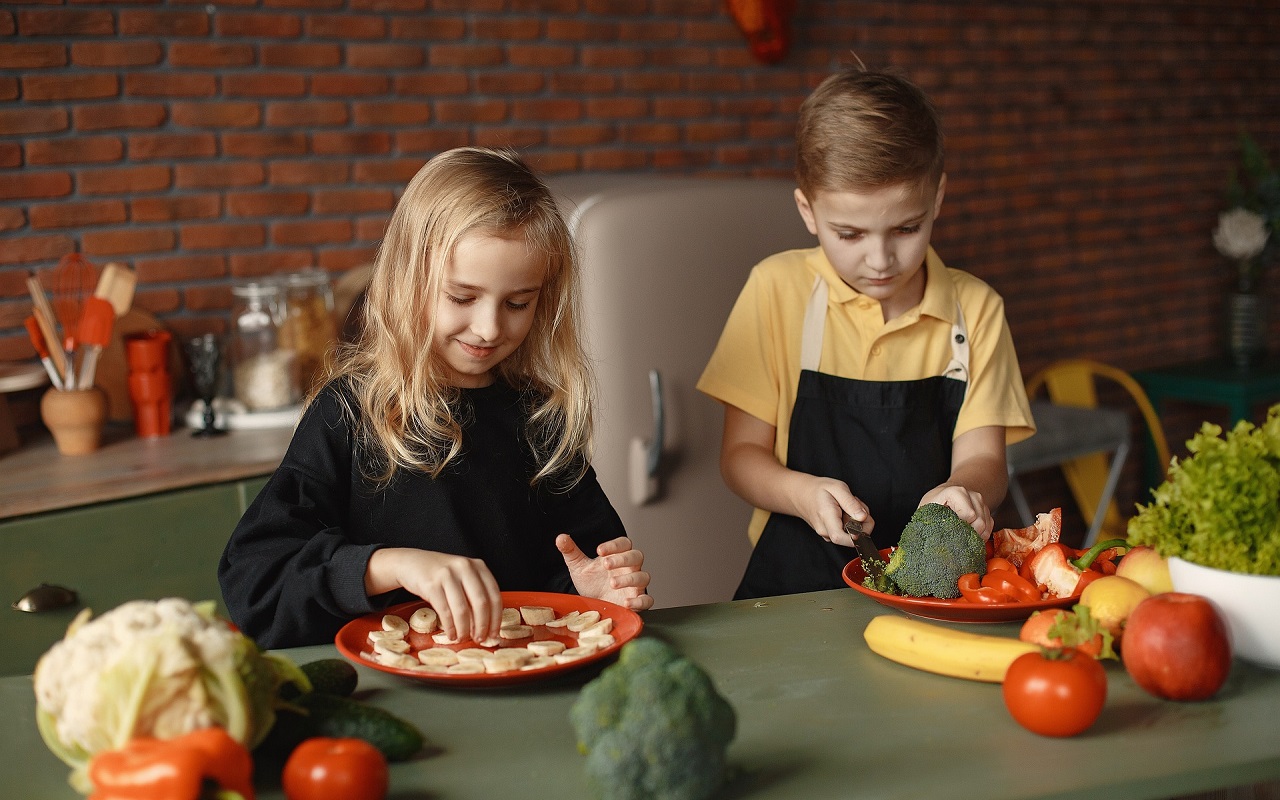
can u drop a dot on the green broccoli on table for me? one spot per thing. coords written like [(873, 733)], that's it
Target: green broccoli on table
[(936, 548), (653, 726)]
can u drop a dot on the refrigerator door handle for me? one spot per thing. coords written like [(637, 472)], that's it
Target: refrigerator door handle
[(646, 457)]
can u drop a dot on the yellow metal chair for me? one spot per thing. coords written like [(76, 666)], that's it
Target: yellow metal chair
[(1072, 382)]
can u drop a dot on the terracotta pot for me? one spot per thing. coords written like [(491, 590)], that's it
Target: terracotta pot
[(75, 419)]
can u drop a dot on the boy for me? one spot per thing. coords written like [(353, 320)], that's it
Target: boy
[(862, 378)]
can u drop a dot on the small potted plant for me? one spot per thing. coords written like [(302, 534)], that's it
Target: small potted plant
[(1217, 519), (1244, 234)]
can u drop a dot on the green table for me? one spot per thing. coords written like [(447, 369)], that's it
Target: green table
[(1218, 382), (820, 716)]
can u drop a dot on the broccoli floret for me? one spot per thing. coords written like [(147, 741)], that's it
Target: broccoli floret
[(880, 582), (936, 548), (653, 726)]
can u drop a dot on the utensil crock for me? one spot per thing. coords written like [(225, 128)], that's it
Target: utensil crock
[(75, 418)]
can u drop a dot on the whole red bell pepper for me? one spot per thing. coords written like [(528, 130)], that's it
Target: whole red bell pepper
[(174, 769)]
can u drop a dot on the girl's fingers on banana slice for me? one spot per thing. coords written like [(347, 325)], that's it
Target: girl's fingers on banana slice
[(424, 620), (510, 616)]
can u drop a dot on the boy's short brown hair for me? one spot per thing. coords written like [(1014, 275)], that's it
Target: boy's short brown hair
[(864, 130)]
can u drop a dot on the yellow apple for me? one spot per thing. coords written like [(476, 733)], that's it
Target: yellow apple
[(1111, 599), (1145, 566)]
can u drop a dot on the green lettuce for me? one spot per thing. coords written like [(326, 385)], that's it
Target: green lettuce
[(1220, 506)]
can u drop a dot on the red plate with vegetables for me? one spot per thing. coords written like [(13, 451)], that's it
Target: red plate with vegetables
[(354, 640)]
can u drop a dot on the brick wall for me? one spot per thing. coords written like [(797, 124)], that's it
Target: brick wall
[(1089, 142)]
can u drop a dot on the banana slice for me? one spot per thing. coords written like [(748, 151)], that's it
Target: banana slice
[(472, 654), (376, 636), (510, 616), (492, 641), (572, 654), (443, 638), (435, 669), (546, 647), (538, 662), (597, 642), (424, 620), (561, 622), (399, 661), (583, 621), (535, 615), (438, 657), (515, 632), (598, 629), (516, 656), (466, 668), (391, 622), (391, 647)]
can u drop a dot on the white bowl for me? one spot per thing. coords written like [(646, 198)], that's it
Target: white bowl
[(1248, 603)]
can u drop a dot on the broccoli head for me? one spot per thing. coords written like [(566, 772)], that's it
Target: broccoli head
[(936, 548), (653, 726)]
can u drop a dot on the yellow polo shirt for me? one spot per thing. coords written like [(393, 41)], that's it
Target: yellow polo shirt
[(756, 364)]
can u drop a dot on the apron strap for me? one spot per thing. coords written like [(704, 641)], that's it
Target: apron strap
[(815, 320)]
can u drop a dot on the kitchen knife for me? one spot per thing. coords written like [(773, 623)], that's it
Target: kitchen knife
[(872, 563)]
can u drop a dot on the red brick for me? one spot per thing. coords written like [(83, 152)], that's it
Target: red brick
[(580, 135), (162, 84), (371, 230), (341, 259), (553, 163), (32, 56), (352, 201), (185, 267), (116, 54), (253, 265), (310, 54), (346, 26), (713, 131), (508, 29), (35, 185), (653, 82), (266, 84), (126, 242), (10, 154), (431, 141), (384, 56), (258, 25), (681, 158), (581, 29), (222, 236), (139, 22), (66, 23), (432, 83), (435, 27), (540, 56), (389, 5), (218, 175), (510, 82), (605, 57), (75, 150), (36, 88), (18, 121), (311, 232), (11, 218), (309, 5), (396, 171), (8, 87), (7, 25), (123, 180), (465, 55), (171, 146), (267, 204), (264, 145), (172, 209), (351, 143), (510, 136), (306, 113), (471, 111), (210, 54), (684, 107), (390, 114), (307, 173), (610, 160), (217, 115), (74, 215), (339, 85), (647, 29), (207, 298), (651, 133), (29, 249), (571, 83), (111, 116), (617, 108)]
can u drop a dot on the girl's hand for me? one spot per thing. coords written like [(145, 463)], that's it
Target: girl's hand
[(614, 575), (461, 590), (825, 502), (968, 505)]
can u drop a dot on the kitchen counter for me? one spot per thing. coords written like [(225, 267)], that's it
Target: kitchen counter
[(38, 479), (820, 716)]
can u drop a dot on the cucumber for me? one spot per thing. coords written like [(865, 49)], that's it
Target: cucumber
[(335, 676), (342, 717)]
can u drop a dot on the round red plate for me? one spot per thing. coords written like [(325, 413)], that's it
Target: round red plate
[(948, 610), (354, 637)]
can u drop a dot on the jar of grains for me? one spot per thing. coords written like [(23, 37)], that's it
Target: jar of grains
[(264, 371), (307, 327)]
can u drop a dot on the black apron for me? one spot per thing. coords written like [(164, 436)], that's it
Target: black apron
[(890, 441)]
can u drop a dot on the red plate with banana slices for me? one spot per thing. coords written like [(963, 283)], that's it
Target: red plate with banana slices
[(573, 620)]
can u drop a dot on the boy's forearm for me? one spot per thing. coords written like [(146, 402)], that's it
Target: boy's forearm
[(754, 474)]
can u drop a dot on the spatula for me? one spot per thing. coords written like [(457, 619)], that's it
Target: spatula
[(116, 285), (42, 350), (93, 333)]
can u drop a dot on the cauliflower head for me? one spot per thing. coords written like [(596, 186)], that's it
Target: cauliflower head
[(936, 548), (158, 668)]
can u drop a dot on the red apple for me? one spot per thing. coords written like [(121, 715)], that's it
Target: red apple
[(1176, 646)]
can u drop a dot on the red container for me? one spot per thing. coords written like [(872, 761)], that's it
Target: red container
[(148, 351)]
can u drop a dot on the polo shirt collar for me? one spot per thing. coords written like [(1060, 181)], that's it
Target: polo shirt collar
[(939, 291)]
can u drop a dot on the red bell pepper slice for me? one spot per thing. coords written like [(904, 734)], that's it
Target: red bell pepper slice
[(971, 589)]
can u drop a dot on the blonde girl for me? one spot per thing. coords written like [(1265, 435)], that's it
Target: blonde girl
[(447, 457)]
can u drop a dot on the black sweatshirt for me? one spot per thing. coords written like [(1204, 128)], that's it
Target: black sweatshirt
[(293, 571)]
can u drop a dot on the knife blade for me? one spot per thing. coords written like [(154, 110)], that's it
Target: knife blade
[(872, 564)]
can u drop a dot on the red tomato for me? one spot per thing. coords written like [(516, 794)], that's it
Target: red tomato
[(324, 768), (1055, 692)]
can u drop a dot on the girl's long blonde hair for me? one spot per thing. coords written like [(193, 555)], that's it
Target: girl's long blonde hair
[(410, 415)]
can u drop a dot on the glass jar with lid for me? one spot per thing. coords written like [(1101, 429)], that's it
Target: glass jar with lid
[(264, 370), (307, 326)]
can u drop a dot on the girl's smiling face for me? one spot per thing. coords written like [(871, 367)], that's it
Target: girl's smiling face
[(488, 296), (877, 240)]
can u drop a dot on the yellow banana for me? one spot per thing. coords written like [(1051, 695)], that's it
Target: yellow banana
[(945, 651)]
